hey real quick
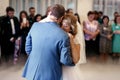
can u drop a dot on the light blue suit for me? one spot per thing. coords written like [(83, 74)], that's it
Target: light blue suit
[(48, 48)]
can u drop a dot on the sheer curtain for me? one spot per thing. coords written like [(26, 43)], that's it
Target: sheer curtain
[(40, 5), (107, 6)]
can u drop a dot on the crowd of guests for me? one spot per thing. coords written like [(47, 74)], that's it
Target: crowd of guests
[(100, 36), (13, 32)]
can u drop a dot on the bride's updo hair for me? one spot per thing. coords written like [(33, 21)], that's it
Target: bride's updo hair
[(72, 22)]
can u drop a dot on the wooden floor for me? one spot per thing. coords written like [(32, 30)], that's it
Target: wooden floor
[(90, 71)]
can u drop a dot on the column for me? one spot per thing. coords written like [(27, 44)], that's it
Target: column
[(43, 5), (27, 6), (75, 6), (106, 1), (56, 1), (49, 2), (100, 5), (3, 5), (39, 6), (35, 5), (65, 4)]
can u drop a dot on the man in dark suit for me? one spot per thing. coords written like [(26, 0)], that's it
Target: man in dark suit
[(31, 16), (10, 29)]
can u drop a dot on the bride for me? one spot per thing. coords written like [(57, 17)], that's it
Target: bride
[(69, 24)]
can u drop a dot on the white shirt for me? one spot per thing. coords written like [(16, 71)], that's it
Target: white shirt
[(12, 26)]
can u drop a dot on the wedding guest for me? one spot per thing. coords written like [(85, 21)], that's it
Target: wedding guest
[(37, 18), (105, 39), (116, 38), (25, 27), (11, 29), (91, 31), (31, 16)]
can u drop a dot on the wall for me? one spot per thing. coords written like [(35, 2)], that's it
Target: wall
[(3, 5), (83, 7)]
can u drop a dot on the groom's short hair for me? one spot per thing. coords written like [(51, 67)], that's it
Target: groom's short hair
[(57, 10)]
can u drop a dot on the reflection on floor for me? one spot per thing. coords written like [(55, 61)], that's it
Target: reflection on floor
[(89, 71)]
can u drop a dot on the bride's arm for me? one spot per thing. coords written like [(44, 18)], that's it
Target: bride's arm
[(76, 53), (75, 48)]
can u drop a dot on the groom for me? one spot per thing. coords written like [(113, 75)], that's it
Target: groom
[(48, 47)]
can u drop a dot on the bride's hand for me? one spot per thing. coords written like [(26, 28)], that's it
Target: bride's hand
[(71, 37), (75, 48)]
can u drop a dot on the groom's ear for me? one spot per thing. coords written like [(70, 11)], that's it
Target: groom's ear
[(49, 13), (60, 20)]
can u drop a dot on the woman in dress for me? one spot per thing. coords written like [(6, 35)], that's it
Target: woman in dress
[(81, 38), (37, 18), (105, 38), (69, 24), (91, 31), (24, 26), (78, 17), (116, 37)]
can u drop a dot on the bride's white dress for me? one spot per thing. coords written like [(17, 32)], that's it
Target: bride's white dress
[(73, 73), (80, 36)]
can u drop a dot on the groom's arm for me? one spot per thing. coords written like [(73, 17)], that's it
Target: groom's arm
[(28, 44), (65, 52)]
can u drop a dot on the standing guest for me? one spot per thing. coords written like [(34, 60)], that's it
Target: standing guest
[(100, 16), (78, 17), (105, 38), (1, 21), (96, 15), (48, 52), (37, 18), (96, 18), (24, 26), (116, 38), (10, 29), (91, 31), (70, 11), (48, 9), (31, 16), (80, 35), (114, 16)]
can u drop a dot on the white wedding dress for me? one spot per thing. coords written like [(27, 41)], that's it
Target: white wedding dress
[(81, 39), (74, 73)]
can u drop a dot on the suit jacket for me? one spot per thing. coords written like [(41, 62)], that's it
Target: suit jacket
[(31, 20), (6, 29), (48, 48)]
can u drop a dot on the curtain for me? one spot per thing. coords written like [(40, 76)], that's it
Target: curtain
[(108, 7), (40, 5)]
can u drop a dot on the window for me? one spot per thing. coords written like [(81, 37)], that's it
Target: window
[(40, 5), (107, 6)]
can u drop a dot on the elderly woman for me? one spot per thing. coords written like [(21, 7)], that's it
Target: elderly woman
[(105, 38), (91, 31)]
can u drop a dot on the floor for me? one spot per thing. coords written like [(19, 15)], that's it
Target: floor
[(92, 70)]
